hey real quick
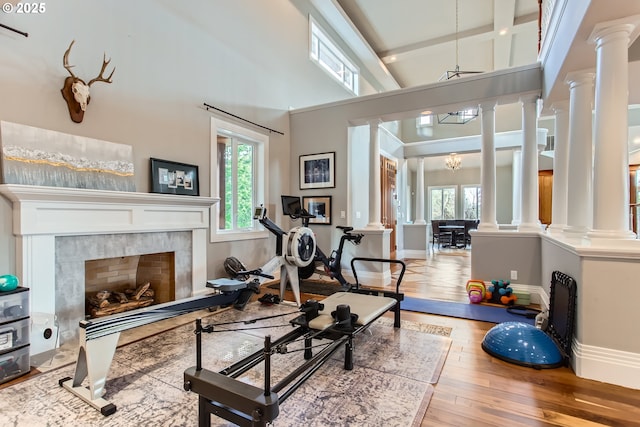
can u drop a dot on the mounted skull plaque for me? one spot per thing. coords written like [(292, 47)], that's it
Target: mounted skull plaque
[(76, 92)]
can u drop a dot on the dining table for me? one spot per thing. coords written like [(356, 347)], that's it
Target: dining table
[(456, 231)]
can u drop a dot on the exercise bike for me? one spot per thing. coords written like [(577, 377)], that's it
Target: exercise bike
[(331, 264)]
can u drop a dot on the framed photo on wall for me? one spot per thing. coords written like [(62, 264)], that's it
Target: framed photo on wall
[(320, 206), (317, 170), (174, 178)]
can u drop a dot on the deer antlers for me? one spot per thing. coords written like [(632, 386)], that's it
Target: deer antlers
[(75, 91), (105, 62), (65, 60), (100, 77)]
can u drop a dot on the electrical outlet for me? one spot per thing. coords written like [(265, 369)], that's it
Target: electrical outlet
[(514, 274), (343, 214)]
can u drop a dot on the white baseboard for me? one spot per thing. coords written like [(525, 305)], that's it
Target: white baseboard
[(607, 365), (412, 254), (595, 363)]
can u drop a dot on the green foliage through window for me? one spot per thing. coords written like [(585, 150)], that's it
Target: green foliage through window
[(238, 184), (443, 203)]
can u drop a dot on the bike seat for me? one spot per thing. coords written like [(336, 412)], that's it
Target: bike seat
[(344, 229)]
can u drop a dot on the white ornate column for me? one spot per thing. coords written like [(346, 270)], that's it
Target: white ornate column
[(530, 220), (560, 167), (374, 171), (611, 156), (488, 220), (579, 205), (420, 192)]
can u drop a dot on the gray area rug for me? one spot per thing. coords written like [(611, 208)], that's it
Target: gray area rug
[(391, 383)]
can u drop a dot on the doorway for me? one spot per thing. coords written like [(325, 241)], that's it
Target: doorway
[(388, 172)]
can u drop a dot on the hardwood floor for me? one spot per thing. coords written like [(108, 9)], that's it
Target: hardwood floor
[(476, 389)]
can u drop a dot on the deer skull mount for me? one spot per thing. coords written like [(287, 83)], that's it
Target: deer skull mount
[(76, 92)]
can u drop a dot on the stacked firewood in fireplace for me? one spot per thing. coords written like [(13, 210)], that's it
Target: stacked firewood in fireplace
[(104, 303)]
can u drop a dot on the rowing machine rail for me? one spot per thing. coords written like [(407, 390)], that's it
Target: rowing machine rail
[(99, 339)]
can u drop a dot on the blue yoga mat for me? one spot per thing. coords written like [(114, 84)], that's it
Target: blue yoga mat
[(484, 313)]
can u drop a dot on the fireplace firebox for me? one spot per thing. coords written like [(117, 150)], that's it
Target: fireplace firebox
[(116, 285)]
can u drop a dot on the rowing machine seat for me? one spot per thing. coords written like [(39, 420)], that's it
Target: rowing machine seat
[(226, 285)]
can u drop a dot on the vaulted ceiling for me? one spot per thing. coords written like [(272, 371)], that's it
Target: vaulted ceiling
[(419, 40)]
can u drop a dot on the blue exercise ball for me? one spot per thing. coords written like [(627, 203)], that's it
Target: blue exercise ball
[(8, 282), (522, 344)]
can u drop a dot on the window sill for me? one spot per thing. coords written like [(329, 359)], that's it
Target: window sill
[(233, 236)]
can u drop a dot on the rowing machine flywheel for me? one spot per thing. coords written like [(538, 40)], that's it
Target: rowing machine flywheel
[(301, 246)]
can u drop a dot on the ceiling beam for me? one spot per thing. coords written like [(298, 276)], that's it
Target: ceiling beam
[(503, 13), (482, 33)]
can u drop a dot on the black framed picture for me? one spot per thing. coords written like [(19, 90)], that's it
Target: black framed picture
[(320, 206), (169, 177), (317, 170)]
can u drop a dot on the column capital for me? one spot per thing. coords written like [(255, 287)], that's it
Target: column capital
[(532, 98), (629, 25), (577, 78), (488, 105), (375, 122)]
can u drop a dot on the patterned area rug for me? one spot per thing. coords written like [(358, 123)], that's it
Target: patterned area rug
[(391, 383)]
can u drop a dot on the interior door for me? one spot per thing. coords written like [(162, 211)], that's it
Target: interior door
[(545, 194), (389, 193)]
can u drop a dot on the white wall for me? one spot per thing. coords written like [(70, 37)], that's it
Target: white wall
[(247, 57)]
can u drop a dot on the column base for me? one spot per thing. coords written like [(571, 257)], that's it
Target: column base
[(375, 226), (420, 222), (575, 231), (528, 227), (611, 234), (486, 226), (556, 228)]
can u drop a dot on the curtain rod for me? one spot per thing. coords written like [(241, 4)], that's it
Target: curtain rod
[(207, 106), (14, 30)]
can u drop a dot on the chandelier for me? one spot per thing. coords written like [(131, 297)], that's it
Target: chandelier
[(463, 116), (453, 162)]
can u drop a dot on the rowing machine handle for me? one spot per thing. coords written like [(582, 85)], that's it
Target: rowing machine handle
[(257, 272)]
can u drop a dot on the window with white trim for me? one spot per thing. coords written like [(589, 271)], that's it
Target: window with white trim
[(442, 201), (324, 52), (239, 178)]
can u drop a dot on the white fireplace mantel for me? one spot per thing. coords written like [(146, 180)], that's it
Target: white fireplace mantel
[(40, 214), (74, 211)]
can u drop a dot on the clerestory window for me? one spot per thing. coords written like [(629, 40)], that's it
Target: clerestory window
[(324, 52)]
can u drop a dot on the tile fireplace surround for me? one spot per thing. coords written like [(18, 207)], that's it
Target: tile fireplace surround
[(58, 229)]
